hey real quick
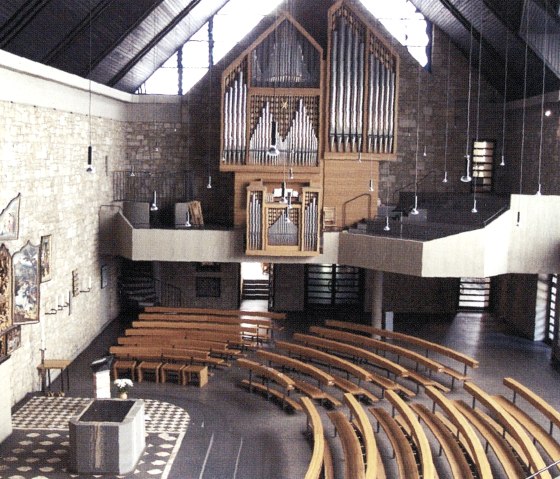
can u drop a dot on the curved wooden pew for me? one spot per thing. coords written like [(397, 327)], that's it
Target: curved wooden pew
[(321, 376), (428, 346), (457, 461), (269, 374), (535, 461), (535, 400), (460, 422), (234, 339), (427, 468), (547, 442), (354, 461), (406, 463), (213, 311), (366, 432), (315, 425), (503, 451), (329, 337)]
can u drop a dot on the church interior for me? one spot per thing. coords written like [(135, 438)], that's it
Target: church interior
[(329, 249)]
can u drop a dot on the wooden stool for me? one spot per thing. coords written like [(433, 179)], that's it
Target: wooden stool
[(150, 367), (171, 369), (194, 374), (125, 366)]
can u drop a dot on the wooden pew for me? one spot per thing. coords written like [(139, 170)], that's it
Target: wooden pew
[(269, 374), (353, 458), (464, 428), (406, 462), (213, 347), (358, 415), (164, 354), (212, 311), (234, 339), (427, 468), (315, 425), (457, 461), (372, 358), (428, 346), (547, 442), (535, 461), (535, 400), (503, 451)]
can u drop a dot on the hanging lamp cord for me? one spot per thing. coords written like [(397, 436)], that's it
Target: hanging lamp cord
[(447, 106), (522, 154), (502, 163), (542, 101)]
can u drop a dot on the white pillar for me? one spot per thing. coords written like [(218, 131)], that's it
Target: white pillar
[(377, 299)]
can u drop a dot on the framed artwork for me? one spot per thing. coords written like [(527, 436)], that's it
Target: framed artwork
[(210, 287), (13, 339), (6, 296), (26, 285), (208, 267), (75, 283), (9, 220), (45, 263), (104, 276)]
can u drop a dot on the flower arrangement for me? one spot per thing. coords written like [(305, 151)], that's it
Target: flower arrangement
[(123, 385)]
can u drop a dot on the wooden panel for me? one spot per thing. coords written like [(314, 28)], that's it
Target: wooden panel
[(346, 188)]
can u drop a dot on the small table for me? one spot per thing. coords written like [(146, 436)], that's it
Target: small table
[(45, 371)]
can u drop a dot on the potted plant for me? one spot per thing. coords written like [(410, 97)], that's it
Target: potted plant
[(123, 385)]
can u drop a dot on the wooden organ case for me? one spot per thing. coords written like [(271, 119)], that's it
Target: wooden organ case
[(363, 79), (271, 140)]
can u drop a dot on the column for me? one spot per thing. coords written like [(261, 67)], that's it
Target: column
[(377, 299)]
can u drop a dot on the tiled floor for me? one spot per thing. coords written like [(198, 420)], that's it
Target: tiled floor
[(233, 434)]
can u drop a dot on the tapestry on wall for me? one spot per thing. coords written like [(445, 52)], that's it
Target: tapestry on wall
[(5, 288), (9, 220), (26, 284), (45, 263)]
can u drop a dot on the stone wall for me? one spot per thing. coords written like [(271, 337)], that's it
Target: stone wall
[(44, 157)]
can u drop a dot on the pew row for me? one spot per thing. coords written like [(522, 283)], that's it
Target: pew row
[(215, 312), (427, 346), (316, 468), (354, 466), (359, 417), (267, 375), (232, 340), (535, 461)]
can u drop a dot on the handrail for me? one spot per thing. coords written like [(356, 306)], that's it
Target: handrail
[(420, 180), (346, 203), (491, 218), (544, 469)]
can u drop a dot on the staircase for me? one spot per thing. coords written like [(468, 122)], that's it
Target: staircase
[(137, 285), (255, 289)]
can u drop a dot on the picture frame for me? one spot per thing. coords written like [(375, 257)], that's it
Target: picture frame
[(13, 339), (104, 276), (9, 220), (26, 299), (45, 259), (6, 285), (208, 287)]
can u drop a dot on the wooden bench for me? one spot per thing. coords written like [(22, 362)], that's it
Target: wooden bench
[(544, 438), (269, 374), (212, 311), (315, 426), (316, 393), (232, 340), (399, 351), (353, 458), (502, 450), (474, 446), (427, 468), (535, 461), (126, 365), (194, 374), (349, 387), (428, 346), (360, 419), (535, 400), (406, 462), (458, 463)]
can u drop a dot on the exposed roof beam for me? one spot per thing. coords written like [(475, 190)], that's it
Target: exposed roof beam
[(20, 19), (152, 43), (76, 31), (99, 58)]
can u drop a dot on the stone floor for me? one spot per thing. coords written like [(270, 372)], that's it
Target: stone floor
[(222, 431)]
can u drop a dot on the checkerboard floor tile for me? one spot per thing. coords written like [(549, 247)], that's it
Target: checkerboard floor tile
[(54, 412)]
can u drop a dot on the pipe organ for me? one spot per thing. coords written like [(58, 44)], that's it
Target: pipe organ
[(282, 221), (362, 89), (285, 114)]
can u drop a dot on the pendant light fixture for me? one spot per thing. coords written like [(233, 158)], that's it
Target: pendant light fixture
[(414, 210), (474, 210), (503, 157), (466, 178), (154, 206), (545, 53), (371, 182), (90, 168), (445, 180), (210, 84)]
